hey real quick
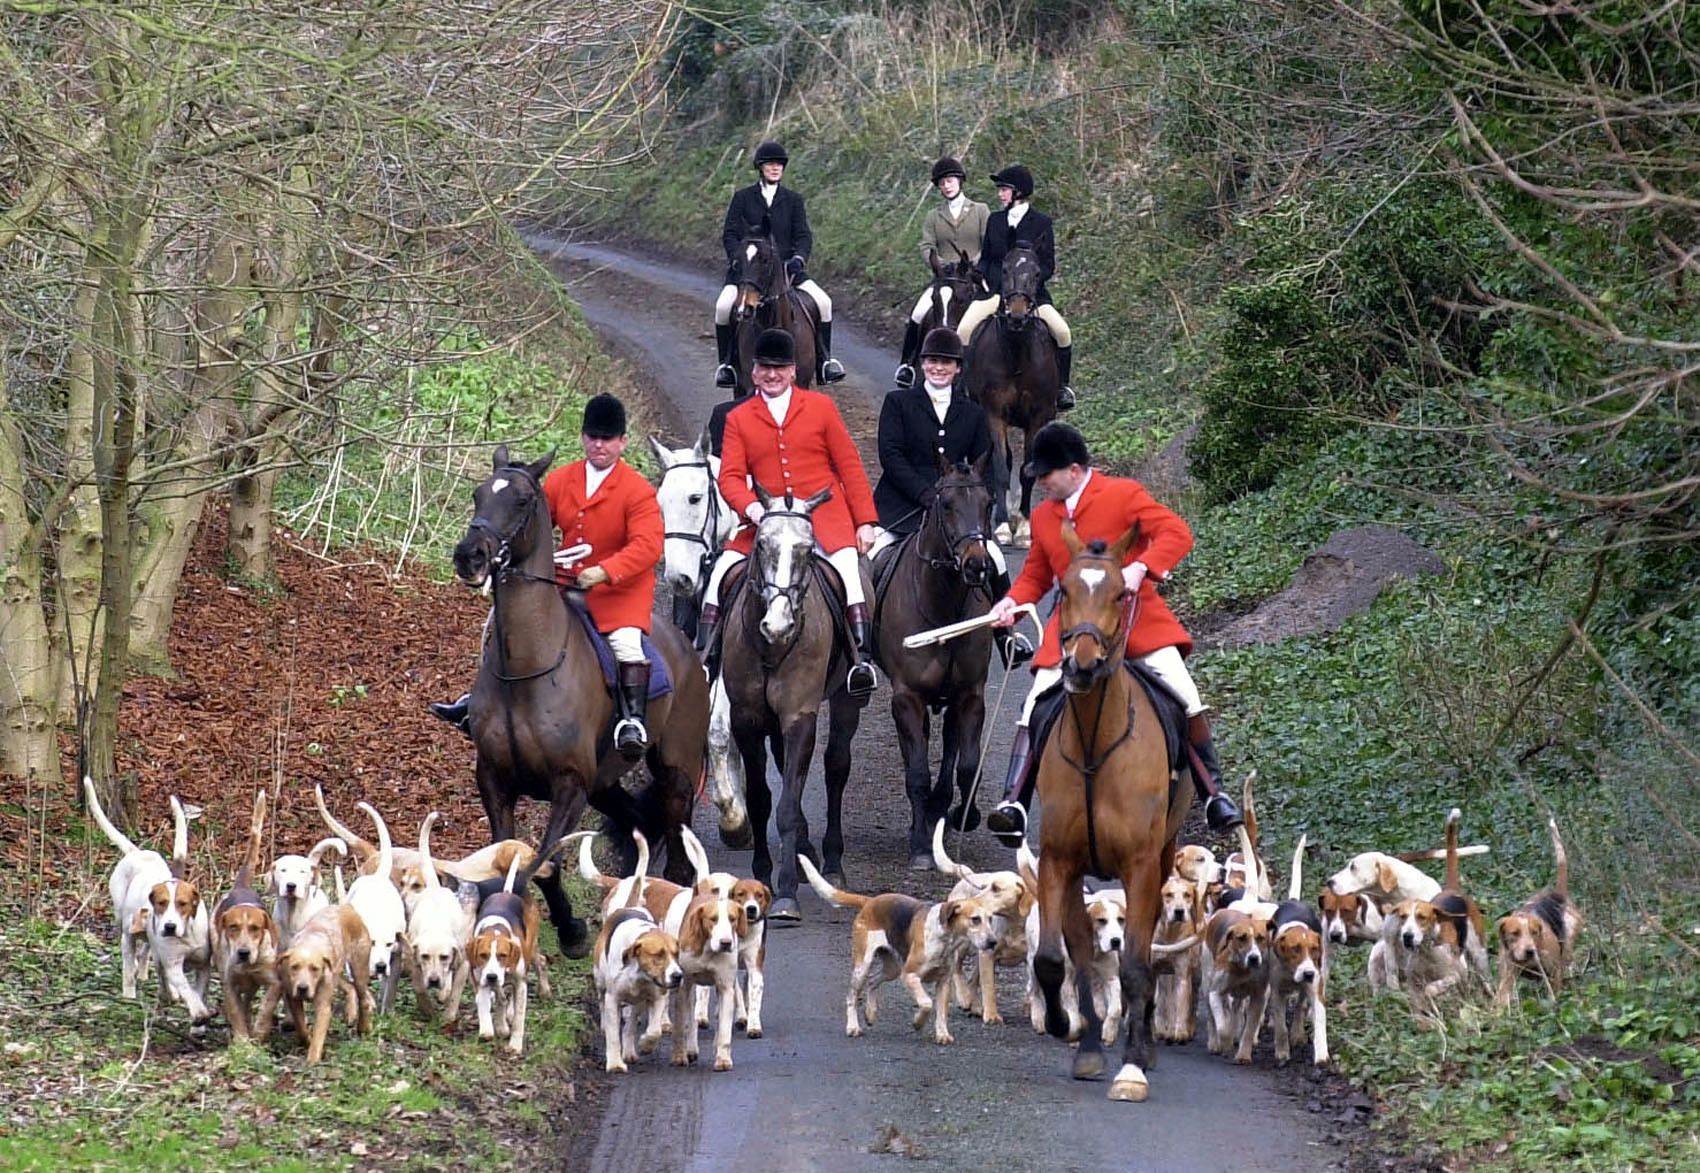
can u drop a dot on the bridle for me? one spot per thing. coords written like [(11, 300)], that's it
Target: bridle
[(791, 592), (1115, 643), (711, 525), (933, 519), (501, 563), (768, 299)]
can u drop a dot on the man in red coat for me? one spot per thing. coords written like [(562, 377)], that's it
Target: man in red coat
[(1102, 507), (602, 502), (793, 441)]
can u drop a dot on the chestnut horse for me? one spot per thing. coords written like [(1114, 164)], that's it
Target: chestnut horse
[(766, 300), (1107, 807), (541, 717)]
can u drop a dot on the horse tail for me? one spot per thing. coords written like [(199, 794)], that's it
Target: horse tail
[(826, 891), (1453, 818)]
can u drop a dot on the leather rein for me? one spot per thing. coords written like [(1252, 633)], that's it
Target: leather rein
[(1114, 653)]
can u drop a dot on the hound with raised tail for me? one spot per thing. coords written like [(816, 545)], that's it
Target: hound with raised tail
[(245, 938), (1538, 940), (636, 969), (1236, 980), (1012, 896), (1440, 940), (1107, 910), (709, 933), (437, 936), (1297, 971), (382, 910), (503, 951), (756, 898), (296, 894), (894, 935), (1180, 928)]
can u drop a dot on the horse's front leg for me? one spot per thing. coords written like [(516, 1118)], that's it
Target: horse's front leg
[(964, 726), (843, 716), (498, 800), (726, 773), (909, 715), (1000, 474), (752, 749), (1056, 888), (1077, 939), (788, 816), (565, 810), (1143, 887)]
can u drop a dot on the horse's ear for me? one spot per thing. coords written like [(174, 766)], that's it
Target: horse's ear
[(943, 462), (819, 499), (1125, 543), (962, 258), (501, 460), (663, 454), (933, 262), (762, 495), (704, 444), (981, 465), (1071, 540), (538, 467)]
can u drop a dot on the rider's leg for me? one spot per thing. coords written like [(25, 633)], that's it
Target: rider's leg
[(831, 370), (708, 626), (1009, 821), (1065, 352), (905, 376), (1014, 648), (848, 563), (631, 697), (882, 539), (724, 375), (977, 312), (1219, 810)]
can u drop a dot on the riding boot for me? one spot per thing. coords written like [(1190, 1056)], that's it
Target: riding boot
[(724, 375), (831, 370), (457, 713), (905, 376), (862, 679), (1009, 820), (1220, 813), (1014, 648), (630, 736), (708, 638), (1065, 361)]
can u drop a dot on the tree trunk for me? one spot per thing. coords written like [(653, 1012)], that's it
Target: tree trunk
[(250, 545), (166, 536), (29, 746), (79, 623)]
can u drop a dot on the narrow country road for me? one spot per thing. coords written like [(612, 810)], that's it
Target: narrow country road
[(805, 1097)]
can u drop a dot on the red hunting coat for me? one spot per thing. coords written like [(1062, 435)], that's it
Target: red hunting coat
[(1108, 506), (811, 452), (623, 525)]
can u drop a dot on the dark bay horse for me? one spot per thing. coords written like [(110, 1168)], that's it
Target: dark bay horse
[(782, 658), (1107, 808), (1010, 369), (935, 576), (541, 714), (955, 284), (767, 301)]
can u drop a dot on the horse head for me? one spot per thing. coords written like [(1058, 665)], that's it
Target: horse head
[(784, 558), (1096, 607), (955, 284), (760, 269), (1021, 280), (697, 519), (510, 520), (959, 517)]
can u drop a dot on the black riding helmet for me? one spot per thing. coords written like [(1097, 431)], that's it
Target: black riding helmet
[(948, 166), (771, 152), (776, 348), (942, 342), (1018, 178), (1056, 446), (604, 418)]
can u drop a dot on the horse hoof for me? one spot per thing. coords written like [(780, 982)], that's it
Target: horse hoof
[(919, 862), (1002, 534), (1088, 1065), (574, 939), (965, 818), (739, 838), (835, 877), (1130, 1086), (785, 908)]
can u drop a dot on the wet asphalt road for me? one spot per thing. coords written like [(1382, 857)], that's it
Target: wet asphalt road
[(805, 1097)]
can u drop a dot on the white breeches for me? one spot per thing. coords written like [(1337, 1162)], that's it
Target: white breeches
[(987, 306), (1167, 663), (846, 561), (728, 299), (884, 537), (626, 643)]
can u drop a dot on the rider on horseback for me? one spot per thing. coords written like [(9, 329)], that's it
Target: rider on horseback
[(794, 443), (602, 502), (1102, 507), (783, 209), (957, 225), (1016, 222), (921, 433)]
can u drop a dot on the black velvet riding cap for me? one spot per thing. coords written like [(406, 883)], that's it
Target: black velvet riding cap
[(942, 342), (948, 166), (1056, 446), (1017, 177), (604, 418), (776, 348)]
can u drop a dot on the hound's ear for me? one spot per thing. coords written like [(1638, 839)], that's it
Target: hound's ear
[(501, 459), (947, 911), (663, 454), (1125, 544), (1386, 876), (1071, 539), (762, 495)]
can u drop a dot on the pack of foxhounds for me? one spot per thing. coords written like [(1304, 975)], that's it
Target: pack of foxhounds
[(669, 960)]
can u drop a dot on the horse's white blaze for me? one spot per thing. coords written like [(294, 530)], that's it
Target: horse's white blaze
[(750, 252), (1093, 578), (777, 621), (944, 300), (497, 485)]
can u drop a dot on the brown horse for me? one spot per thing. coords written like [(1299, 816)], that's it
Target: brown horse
[(782, 658), (955, 284), (767, 301), (541, 716), (1010, 369), (938, 575), (1107, 808)]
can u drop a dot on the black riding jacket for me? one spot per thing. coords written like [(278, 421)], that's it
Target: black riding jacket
[(1036, 227), (787, 220), (911, 441)]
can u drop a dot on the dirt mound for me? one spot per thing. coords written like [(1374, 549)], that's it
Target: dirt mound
[(1337, 581)]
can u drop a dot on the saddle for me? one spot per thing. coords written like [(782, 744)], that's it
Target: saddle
[(660, 680), (1171, 714)]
